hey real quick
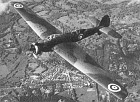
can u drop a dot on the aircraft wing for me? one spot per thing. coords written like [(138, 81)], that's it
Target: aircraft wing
[(72, 52)]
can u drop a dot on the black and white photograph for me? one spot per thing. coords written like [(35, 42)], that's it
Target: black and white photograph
[(69, 50)]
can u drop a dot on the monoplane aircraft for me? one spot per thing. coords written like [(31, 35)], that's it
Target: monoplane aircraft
[(74, 36), (72, 52)]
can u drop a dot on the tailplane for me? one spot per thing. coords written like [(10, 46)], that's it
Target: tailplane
[(105, 22)]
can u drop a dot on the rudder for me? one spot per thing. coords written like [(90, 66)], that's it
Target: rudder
[(105, 22)]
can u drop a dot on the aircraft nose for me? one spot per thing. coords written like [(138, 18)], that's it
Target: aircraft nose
[(32, 48)]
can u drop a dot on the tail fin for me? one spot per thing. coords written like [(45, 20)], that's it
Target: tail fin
[(105, 22)]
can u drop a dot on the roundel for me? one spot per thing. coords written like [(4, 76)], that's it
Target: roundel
[(114, 87), (80, 36), (18, 5), (49, 37)]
